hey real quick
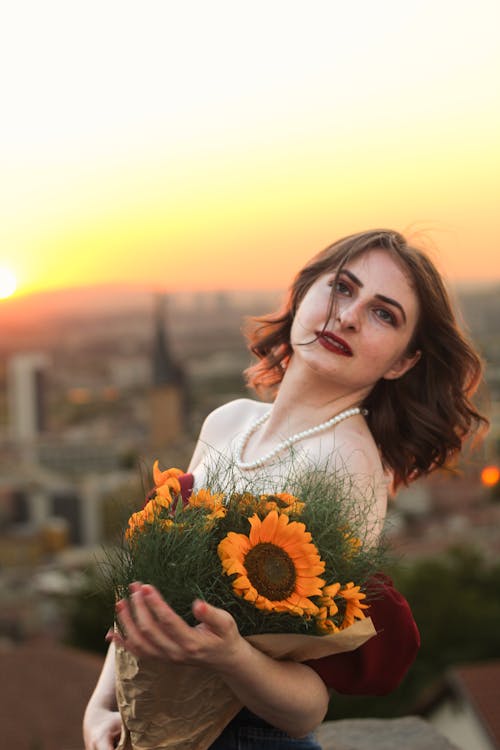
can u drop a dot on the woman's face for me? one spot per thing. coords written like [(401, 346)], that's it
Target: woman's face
[(373, 318)]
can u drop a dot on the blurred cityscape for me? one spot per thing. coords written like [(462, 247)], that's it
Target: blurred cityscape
[(94, 385), (97, 383)]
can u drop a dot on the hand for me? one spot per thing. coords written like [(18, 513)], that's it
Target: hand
[(152, 628), (101, 729)]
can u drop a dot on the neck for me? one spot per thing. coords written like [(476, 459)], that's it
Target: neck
[(319, 400)]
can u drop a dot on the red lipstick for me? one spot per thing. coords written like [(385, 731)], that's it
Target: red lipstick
[(334, 343)]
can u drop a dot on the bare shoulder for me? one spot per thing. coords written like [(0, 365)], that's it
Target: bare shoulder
[(222, 425), (232, 417)]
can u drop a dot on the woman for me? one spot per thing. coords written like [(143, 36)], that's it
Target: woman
[(371, 376)]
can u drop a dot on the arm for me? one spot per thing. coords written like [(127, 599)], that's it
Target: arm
[(292, 696), (102, 723)]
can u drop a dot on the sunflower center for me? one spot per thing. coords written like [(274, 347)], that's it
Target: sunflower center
[(271, 571)]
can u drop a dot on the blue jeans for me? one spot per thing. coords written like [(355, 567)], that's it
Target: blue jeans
[(248, 732)]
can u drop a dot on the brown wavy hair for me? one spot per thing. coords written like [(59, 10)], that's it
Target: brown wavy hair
[(420, 420)]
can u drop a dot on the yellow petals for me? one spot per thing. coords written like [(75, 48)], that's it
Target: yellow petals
[(276, 565), (282, 502), (162, 477), (326, 626), (354, 606)]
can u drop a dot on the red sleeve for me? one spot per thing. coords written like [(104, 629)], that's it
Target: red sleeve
[(378, 666)]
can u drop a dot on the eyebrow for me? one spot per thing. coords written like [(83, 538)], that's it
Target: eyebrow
[(382, 297)]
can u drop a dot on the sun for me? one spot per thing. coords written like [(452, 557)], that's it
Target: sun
[(8, 282)]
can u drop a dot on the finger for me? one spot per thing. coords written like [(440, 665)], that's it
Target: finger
[(153, 598), (174, 638), (218, 620), (163, 613), (135, 639), (143, 616), (152, 626), (180, 641)]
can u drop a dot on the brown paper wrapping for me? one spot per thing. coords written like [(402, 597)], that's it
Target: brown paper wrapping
[(165, 706)]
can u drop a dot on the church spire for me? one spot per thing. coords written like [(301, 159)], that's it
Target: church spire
[(167, 396), (165, 370)]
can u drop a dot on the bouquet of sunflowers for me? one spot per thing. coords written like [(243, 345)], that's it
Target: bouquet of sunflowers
[(290, 566)]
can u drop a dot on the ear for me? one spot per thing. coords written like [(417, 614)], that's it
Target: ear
[(402, 366)]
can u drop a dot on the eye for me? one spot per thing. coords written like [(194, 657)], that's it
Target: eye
[(385, 315), (340, 286)]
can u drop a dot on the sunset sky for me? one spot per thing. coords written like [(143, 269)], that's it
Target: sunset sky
[(203, 145)]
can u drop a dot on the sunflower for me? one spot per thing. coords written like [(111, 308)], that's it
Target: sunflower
[(354, 606), (275, 566)]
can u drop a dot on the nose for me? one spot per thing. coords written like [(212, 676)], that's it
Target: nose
[(348, 316)]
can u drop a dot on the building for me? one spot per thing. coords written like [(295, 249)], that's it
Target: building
[(26, 389), (39, 508)]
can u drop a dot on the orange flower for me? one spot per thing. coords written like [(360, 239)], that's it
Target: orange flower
[(160, 477), (146, 515), (166, 483), (206, 499), (282, 502), (327, 598), (214, 502), (167, 524), (354, 606), (276, 565), (245, 502), (327, 608), (135, 523), (219, 512), (353, 541), (324, 624)]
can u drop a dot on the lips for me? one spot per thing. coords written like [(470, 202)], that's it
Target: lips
[(334, 343)]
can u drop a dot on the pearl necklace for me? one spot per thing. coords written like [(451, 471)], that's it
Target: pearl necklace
[(246, 465)]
